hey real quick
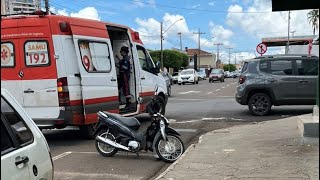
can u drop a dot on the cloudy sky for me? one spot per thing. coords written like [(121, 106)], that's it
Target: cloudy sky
[(238, 24)]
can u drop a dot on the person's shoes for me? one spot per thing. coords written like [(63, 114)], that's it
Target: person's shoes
[(156, 156)]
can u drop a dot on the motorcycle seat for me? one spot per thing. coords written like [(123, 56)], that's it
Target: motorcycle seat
[(131, 122)]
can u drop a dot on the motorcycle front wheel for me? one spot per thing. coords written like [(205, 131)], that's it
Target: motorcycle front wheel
[(169, 151), (104, 149)]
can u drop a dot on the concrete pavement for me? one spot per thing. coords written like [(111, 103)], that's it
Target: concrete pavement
[(265, 150)]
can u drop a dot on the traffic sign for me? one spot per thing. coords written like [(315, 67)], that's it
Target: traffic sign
[(261, 48)]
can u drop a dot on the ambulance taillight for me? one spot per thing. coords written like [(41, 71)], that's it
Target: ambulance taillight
[(63, 93)]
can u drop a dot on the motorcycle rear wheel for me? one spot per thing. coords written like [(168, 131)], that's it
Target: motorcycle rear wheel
[(169, 151), (106, 150)]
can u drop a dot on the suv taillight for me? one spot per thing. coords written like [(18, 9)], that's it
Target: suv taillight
[(242, 79), (63, 93)]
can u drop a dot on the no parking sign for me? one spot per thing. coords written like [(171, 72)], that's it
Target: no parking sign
[(261, 48)]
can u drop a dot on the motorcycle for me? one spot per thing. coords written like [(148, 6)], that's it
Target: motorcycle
[(114, 132)]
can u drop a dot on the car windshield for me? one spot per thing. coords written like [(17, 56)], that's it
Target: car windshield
[(215, 71), (175, 74), (186, 72)]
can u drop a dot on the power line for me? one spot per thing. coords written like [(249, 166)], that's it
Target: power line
[(192, 9)]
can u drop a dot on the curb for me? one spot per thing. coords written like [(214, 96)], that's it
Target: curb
[(192, 146)]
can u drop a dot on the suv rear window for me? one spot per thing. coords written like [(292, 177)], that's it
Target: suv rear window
[(281, 67), (307, 67)]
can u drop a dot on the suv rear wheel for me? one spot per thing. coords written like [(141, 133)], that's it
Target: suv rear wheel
[(259, 104)]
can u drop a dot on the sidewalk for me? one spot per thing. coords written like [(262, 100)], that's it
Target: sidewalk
[(266, 150)]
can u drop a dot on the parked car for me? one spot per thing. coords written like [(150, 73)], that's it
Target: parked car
[(25, 153), (175, 76), (188, 76), (234, 74), (278, 80), (226, 74), (216, 75), (202, 75), (168, 80)]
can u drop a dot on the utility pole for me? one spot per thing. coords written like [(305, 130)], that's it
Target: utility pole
[(46, 5), (161, 44), (180, 41), (235, 59), (229, 59), (199, 33), (218, 44), (288, 42)]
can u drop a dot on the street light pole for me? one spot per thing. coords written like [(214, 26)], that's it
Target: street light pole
[(288, 42), (229, 59), (199, 33), (180, 41), (161, 40), (161, 49), (218, 57)]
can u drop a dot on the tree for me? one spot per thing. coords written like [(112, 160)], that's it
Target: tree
[(171, 59), (232, 67), (313, 18)]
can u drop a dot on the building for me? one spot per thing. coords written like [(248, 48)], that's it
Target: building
[(19, 6), (207, 60)]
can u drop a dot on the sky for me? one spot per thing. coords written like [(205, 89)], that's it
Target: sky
[(237, 24)]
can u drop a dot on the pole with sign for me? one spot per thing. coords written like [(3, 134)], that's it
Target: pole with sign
[(261, 48)]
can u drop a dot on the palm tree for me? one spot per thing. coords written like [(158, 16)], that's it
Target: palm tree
[(313, 17)]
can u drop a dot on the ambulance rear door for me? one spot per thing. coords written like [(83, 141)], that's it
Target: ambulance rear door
[(97, 73)]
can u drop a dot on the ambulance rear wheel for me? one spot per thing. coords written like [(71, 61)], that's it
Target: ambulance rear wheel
[(87, 131)]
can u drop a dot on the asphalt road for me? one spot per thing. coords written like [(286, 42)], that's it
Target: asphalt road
[(192, 110)]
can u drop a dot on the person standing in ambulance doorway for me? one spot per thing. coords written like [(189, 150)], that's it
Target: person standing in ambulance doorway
[(124, 73)]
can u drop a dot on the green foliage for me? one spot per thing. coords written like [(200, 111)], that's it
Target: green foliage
[(232, 67), (313, 18), (171, 59)]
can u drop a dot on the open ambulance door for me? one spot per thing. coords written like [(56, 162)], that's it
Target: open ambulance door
[(98, 78)]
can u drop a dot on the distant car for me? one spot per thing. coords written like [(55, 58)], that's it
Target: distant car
[(226, 74), (278, 80), (25, 153), (175, 76), (168, 81), (188, 76), (216, 75), (202, 75), (234, 74)]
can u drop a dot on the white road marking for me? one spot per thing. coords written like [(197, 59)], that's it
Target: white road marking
[(61, 155), (185, 99), (206, 119), (187, 130), (234, 83), (223, 87), (209, 92), (217, 89), (189, 92), (86, 175), (228, 85)]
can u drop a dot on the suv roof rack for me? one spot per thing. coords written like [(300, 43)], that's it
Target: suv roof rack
[(284, 55)]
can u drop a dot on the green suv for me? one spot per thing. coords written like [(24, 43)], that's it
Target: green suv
[(278, 80)]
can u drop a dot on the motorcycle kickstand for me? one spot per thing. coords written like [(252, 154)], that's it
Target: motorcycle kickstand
[(137, 154)]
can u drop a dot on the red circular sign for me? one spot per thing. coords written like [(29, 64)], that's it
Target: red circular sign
[(261, 48)]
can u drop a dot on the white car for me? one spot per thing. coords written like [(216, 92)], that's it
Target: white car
[(25, 153), (175, 77), (202, 75), (188, 76)]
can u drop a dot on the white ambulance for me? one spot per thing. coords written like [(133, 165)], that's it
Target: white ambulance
[(63, 70)]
